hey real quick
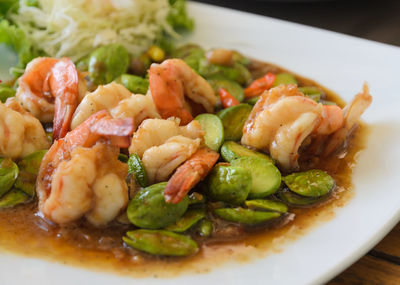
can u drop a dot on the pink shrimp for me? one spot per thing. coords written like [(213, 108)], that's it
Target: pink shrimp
[(195, 169), (171, 81), (49, 89), (283, 118), (351, 114), (98, 127)]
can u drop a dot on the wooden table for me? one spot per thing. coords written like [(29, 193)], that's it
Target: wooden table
[(380, 266), (371, 19)]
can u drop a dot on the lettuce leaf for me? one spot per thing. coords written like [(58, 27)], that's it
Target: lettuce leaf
[(6, 5), (17, 40), (178, 17)]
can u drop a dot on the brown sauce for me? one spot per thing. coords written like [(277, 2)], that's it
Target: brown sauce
[(23, 232)]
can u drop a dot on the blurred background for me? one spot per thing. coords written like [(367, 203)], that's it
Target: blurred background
[(374, 20)]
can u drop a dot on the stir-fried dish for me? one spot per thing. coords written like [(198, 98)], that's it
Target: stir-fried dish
[(170, 148), (199, 142)]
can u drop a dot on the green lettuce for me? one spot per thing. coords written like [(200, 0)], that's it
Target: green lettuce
[(6, 5), (178, 17), (17, 40)]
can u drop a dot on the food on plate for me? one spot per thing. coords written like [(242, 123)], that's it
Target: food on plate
[(147, 149)]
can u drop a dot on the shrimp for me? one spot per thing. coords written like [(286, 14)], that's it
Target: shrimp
[(119, 101), (171, 81), (195, 169), (50, 89), (277, 107), (351, 114), (81, 174), (161, 161), (154, 132), (282, 119), (20, 133)]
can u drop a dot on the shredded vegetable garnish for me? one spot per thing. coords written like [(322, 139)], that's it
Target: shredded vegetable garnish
[(74, 28)]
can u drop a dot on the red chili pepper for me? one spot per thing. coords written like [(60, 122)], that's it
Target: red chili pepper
[(227, 99), (259, 85)]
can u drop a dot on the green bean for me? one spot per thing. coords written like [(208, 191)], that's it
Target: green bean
[(231, 86), (28, 170), (231, 150), (107, 63), (5, 93), (214, 130), (237, 72), (245, 216), (233, 120), (8, 174), (123, 157), (292, 199), (188, 220), (266, 178), (284, 78), (137, 168), (267, 205), (148, 208), (205, 228), (135, 84), (160, 242), (13, 198), (229, 184), (311, 183), (191, 54)]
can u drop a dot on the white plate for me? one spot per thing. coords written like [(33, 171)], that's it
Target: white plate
[(339, 62)]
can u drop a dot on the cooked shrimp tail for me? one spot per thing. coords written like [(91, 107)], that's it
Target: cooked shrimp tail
[(189, 174), (351, 114), (49, 89), (172, 81), (64, 84)]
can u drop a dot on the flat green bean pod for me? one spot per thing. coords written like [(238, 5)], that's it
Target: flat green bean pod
[(245, 216), (284, 78), (229, 184), (160, 242), (267, 205), (107, 63), (238, 72), (311, 183), (148, 208), (205, 228), (292, 199), (13, 198), (188, 220), (137, 168), (232, 87), (5, 93), (214, 130), (266, 178), (8, 174), (28, 170), (231, 150), (233, 120), (135, 84), (191, 54), (312, 92)]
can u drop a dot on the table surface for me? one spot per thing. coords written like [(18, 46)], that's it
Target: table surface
[(374, 20)]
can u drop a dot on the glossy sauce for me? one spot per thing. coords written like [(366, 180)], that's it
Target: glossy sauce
[(23, 231)]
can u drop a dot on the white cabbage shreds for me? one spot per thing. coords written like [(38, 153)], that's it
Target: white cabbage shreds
[(74, 28)]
